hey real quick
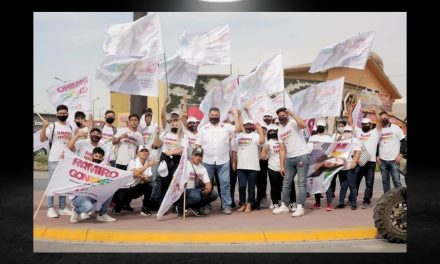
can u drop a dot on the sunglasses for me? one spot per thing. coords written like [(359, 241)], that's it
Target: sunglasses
[(198, 155)]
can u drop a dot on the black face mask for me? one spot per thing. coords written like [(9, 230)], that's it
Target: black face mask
[(174, 130), (249, 129), (365, 128), (192, 128), (320, 129), (62, 118), (78, 124), (95, 138), (110, 120), (271, 135), (267, 121), (214, 120), (97, 160), (283, 119), (385, 122)]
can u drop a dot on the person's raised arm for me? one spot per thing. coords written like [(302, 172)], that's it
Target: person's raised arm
[(71, 143), (157, 142), (261, 133), (43, 136), (163, 113), (300, 123), (350, 115)]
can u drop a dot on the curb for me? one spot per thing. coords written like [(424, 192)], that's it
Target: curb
[(201, 237)]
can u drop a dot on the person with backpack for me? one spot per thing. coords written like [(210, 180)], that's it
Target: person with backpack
[(58, 134)]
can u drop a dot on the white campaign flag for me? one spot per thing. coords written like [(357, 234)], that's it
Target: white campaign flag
[(140, 38), (38, 144), (350, 53), (258, 106), (130, 75), (80, 177), (75, 95), (280, 101), (319, 100), (179, 71), (224, 97), (177, 185), (357, 114), (267, 78), (326, 159), (207, 48)]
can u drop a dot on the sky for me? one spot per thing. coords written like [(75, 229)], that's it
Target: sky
[(69, 45)]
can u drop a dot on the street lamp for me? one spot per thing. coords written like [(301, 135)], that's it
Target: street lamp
[(56, 78), (93, 106)]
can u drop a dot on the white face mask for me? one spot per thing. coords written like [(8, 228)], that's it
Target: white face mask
[(346, 135), (340, 130)]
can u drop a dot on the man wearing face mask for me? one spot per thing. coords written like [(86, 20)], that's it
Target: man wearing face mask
[(58, 134), (336, 137), (267, 118), (214, 138), (191, 134), (80, 122), (370, 138), (84, 147), (294, 159), (108, 132), (391, 150)]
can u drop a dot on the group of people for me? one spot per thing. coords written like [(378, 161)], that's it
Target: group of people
[(221, 151)]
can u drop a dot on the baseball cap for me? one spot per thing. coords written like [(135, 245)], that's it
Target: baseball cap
[(191, 119), (247, 121), (267, 114), (142, 147), (162, 169), (198, 150), (272, 127), (149, 111), (366, 120), (321, 122), (348, 128), (175, 113)]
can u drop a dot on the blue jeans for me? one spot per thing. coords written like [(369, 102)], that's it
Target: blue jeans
[(223, 175), (83, 204), (366, 171), (52, 166), (347, 179), (387, 168), (195, 199), (297, 165), (247, 178)]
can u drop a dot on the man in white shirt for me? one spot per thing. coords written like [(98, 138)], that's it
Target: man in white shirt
[(127, 139), (108, 132), (214, 138), (199, 192), (391, 143), (294, 159), (81, 124), (83, 148), (59, 134), (370, 139)]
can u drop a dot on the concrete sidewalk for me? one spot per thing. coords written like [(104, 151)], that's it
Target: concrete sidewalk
[(256, 227)]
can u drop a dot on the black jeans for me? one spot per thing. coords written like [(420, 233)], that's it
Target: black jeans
[(233, 181), (126, 195), (366, 171), (262, 181), (276, 186), (164, 182), (121, 167), (195, 199)]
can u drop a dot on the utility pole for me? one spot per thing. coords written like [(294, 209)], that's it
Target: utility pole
[(138, 103)]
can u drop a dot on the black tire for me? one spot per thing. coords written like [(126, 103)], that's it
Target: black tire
[(390, 215)]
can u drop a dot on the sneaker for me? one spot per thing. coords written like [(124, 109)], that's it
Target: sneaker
[(271, 206), (292, 207), (65, 211), (195, 212), (329, 207), (340, 206), (276, 206), (233, 205), (354, 207), (226, 211), (179, 212), (145, 211), (204, 210), (73, 217), (105, 218), (51, 213), (299, 211), (84, 215), (256, 207), (365, 205), (127, 208), (117, 210), (315, 206), (283, 209)]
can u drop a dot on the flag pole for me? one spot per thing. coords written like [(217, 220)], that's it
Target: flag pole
[(184, 203), (166, 71), (39, 205), (38, 114)]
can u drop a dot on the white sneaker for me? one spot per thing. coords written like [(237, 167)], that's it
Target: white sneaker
[(283, 209), (292, 207), (299, 210), (74, 217), (271, 205), (105, 218), (51, 213), (65, 211), (84, 216)]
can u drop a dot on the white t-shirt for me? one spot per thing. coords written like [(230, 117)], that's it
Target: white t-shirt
[(62, 135), (148, 134), (215, 141), (200, 172), (247, 151), (127, 146), (107, 136), (357, 144), (370, 140), (274, 154), (137, 164), (190, 138), (170, 141), (84, 149), (389, 144), (291, 136)]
